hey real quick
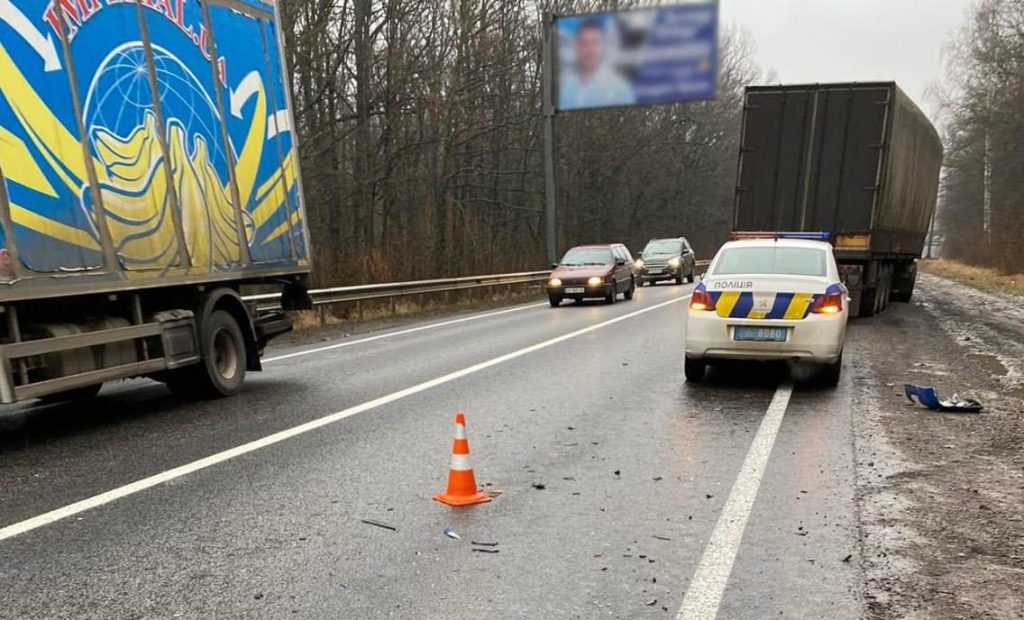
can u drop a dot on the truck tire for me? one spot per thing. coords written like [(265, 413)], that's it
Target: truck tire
[(868, 302), (903, 296), (221, 371), (904, 281)]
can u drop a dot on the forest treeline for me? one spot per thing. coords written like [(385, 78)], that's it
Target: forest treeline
[(421, 142), (981, 215)]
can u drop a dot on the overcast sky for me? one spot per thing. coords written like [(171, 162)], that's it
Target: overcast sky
[(852, 40)]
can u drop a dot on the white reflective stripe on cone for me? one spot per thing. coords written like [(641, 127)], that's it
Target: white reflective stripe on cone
[(460, 431), (460, 462)]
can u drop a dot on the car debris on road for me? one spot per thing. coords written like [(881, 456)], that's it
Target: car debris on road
[(927, 397)]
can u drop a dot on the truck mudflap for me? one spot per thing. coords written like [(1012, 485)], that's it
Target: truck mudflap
[(271, 325)]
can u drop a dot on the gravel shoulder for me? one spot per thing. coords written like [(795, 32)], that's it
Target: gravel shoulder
[(941, 494)]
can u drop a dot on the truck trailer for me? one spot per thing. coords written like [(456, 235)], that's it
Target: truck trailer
[(858, 160), (148, 170)]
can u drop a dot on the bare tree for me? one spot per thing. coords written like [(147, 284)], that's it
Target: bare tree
[(421, 135)]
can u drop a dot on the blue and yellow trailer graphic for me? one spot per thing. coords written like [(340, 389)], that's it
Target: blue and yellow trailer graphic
[(147, 139)]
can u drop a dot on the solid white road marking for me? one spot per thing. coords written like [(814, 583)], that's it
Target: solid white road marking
[(411, 330), (704, 595), (172, 474)]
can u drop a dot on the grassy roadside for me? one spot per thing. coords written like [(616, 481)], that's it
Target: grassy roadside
[(988, 279)]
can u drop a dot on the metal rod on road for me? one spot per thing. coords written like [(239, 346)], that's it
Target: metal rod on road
[(548, 111)]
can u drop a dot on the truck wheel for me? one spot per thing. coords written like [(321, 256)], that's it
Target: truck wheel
[(221, 371), (77, 395), (903, 296), (868, 302)]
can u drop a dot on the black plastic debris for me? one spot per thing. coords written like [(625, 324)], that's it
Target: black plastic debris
[(379, 524)]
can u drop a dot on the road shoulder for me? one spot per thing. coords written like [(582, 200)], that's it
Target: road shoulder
[(939, 494)]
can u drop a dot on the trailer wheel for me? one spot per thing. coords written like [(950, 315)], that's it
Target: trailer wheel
[(221, 371), (868, 302)]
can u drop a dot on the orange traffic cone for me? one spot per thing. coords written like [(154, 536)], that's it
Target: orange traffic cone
[(462, 489)]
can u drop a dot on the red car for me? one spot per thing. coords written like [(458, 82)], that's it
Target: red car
[(589, 271)]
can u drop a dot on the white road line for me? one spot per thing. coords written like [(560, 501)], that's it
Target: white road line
[(349, 343), (172, 474), (704, 595)]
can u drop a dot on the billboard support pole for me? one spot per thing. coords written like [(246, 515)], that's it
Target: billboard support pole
[(548, 112)]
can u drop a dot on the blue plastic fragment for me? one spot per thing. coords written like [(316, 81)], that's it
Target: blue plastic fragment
[(927, 397)]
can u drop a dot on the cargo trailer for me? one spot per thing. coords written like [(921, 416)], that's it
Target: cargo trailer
[(858, 160), (148, 170)]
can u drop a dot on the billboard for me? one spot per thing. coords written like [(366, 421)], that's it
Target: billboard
[(666, 54)]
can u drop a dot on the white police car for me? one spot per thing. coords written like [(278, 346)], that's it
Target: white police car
[(769, 296)]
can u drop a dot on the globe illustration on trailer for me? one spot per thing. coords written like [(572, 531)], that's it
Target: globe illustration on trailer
[(123, 133), (120, 101)]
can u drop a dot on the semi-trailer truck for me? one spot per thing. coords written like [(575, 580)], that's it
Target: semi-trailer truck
[(148, 170), (858, 160)]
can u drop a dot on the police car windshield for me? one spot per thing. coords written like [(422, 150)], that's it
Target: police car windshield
[(663, 246), (577, 257), (771, 260)]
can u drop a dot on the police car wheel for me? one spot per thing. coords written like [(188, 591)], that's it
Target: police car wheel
[(695, 369)]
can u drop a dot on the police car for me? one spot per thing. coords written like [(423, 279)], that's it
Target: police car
[(769, 296)]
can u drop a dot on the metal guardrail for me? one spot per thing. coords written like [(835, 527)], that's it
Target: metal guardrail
[(363, 292)]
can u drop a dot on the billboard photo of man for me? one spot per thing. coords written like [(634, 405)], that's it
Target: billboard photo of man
[(642, 56), (590, 80)]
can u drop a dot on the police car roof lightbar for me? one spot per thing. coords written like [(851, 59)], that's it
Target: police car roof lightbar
[(813, 236)]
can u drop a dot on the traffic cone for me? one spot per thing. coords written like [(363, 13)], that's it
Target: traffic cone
[(462, 489)]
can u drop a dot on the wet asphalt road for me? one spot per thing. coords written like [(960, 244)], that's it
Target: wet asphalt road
[(636, 467)]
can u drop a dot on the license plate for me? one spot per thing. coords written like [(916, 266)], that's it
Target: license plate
[(655, 271), (575, 289), (760, 334)]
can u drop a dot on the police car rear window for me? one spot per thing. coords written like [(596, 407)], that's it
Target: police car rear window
[(772, 260)]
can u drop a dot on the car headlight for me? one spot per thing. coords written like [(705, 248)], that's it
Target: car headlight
[(595, 280), (554, 282), (675, 262), (639, 263)]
